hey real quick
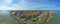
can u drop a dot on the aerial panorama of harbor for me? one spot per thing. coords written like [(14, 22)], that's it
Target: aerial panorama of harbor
[(29, 16)]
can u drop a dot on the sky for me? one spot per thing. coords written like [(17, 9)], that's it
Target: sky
[(29, 4)]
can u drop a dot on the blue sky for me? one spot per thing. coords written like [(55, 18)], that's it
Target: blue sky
[(30, 4)]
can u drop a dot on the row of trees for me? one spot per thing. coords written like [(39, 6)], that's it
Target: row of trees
[(32, 15)]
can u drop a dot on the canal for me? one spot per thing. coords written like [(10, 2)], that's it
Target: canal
[(5, 18)]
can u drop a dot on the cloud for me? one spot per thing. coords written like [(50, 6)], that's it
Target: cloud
[(13, 6), (30, 5)]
